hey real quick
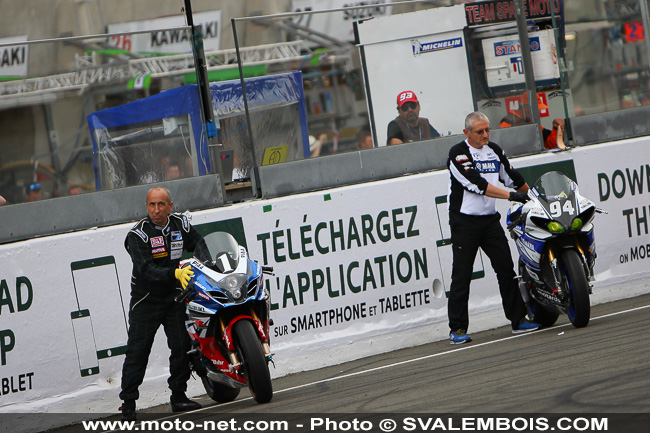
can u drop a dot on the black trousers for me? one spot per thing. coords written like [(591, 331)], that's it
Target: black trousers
[(145, 317), (468, 233)]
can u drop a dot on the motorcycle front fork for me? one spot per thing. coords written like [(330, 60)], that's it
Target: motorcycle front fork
[(233, 357)]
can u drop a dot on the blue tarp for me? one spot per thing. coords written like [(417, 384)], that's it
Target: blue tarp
[(227, 98)]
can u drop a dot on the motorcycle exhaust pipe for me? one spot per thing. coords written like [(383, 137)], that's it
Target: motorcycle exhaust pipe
[(525, 296)]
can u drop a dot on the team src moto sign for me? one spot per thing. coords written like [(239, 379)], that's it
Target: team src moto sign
[(498, 11)]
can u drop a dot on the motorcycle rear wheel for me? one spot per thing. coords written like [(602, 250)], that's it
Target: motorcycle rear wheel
[(219, 392), (578, 287), (542, 316), (252, 356)]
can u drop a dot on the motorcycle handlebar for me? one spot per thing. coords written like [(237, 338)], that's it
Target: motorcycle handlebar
[(268, 270), (516, 222), (186, 294)]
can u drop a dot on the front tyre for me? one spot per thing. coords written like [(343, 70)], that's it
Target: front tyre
[(577, 286), (219, 392), (256, 368)]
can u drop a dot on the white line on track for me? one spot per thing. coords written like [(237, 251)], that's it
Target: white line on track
[(421, 358), (436, 355)]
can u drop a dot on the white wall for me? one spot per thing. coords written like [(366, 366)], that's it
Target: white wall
[(424, 52), (387, 227)]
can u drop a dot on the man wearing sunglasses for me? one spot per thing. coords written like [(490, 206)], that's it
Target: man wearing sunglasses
[(408, 126), (33, 192)]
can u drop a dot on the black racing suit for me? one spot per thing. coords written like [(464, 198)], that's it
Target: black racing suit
[(156, 252), (474, 223)]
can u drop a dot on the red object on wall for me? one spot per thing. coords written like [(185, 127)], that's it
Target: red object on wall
[(634, 32)]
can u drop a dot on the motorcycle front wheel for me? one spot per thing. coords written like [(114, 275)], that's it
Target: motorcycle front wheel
[(219, 392), (577, 286), (256, 369)]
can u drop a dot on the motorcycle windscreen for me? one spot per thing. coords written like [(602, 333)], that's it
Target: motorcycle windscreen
[(555, 183), (224, 250)]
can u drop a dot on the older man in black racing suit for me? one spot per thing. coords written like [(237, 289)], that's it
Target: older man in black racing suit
[(156, 244)]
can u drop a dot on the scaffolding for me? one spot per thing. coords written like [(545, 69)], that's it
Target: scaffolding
[(90, 71)]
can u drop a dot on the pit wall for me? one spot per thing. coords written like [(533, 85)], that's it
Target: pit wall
[(359, 270)]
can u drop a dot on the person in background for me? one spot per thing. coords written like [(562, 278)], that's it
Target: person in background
[(173, 171), (364, 139), (316, 144), (408, 126), (627, 102), (33, 192), (644, 99), (522, 116), (74, 190), (476, 166), (156, 244)]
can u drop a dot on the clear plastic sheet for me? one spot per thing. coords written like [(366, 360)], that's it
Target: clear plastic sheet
[(136, 143)]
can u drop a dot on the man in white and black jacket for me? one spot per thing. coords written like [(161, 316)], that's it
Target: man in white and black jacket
[(156, 244), (476, 166)]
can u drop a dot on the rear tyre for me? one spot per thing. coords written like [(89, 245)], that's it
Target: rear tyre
[(575, 281), (219, 392), (256, 369), (542, 316)]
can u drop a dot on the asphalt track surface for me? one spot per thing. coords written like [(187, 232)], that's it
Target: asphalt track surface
[(603, 368)]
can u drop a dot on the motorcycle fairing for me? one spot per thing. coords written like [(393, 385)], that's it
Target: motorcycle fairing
[(530, 249)]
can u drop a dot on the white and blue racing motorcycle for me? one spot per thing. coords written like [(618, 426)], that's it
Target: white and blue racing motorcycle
[(554, 235), (228, 320)]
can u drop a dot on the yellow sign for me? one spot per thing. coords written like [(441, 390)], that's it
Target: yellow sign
[(275, 155)]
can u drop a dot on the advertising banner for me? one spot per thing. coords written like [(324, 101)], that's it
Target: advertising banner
[(15, 58), (345, 269), (173, 41), (503, 61), (498, 11), (622, 188), (338, 25)]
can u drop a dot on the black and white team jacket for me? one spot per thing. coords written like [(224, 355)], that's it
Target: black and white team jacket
[(470, 171)]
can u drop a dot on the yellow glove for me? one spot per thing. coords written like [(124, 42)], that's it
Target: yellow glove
[(184, 275)]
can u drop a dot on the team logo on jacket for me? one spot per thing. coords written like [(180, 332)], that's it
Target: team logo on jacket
[(487, 166), (158, 241), (176, 245), (140, 233), (159, 252)]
